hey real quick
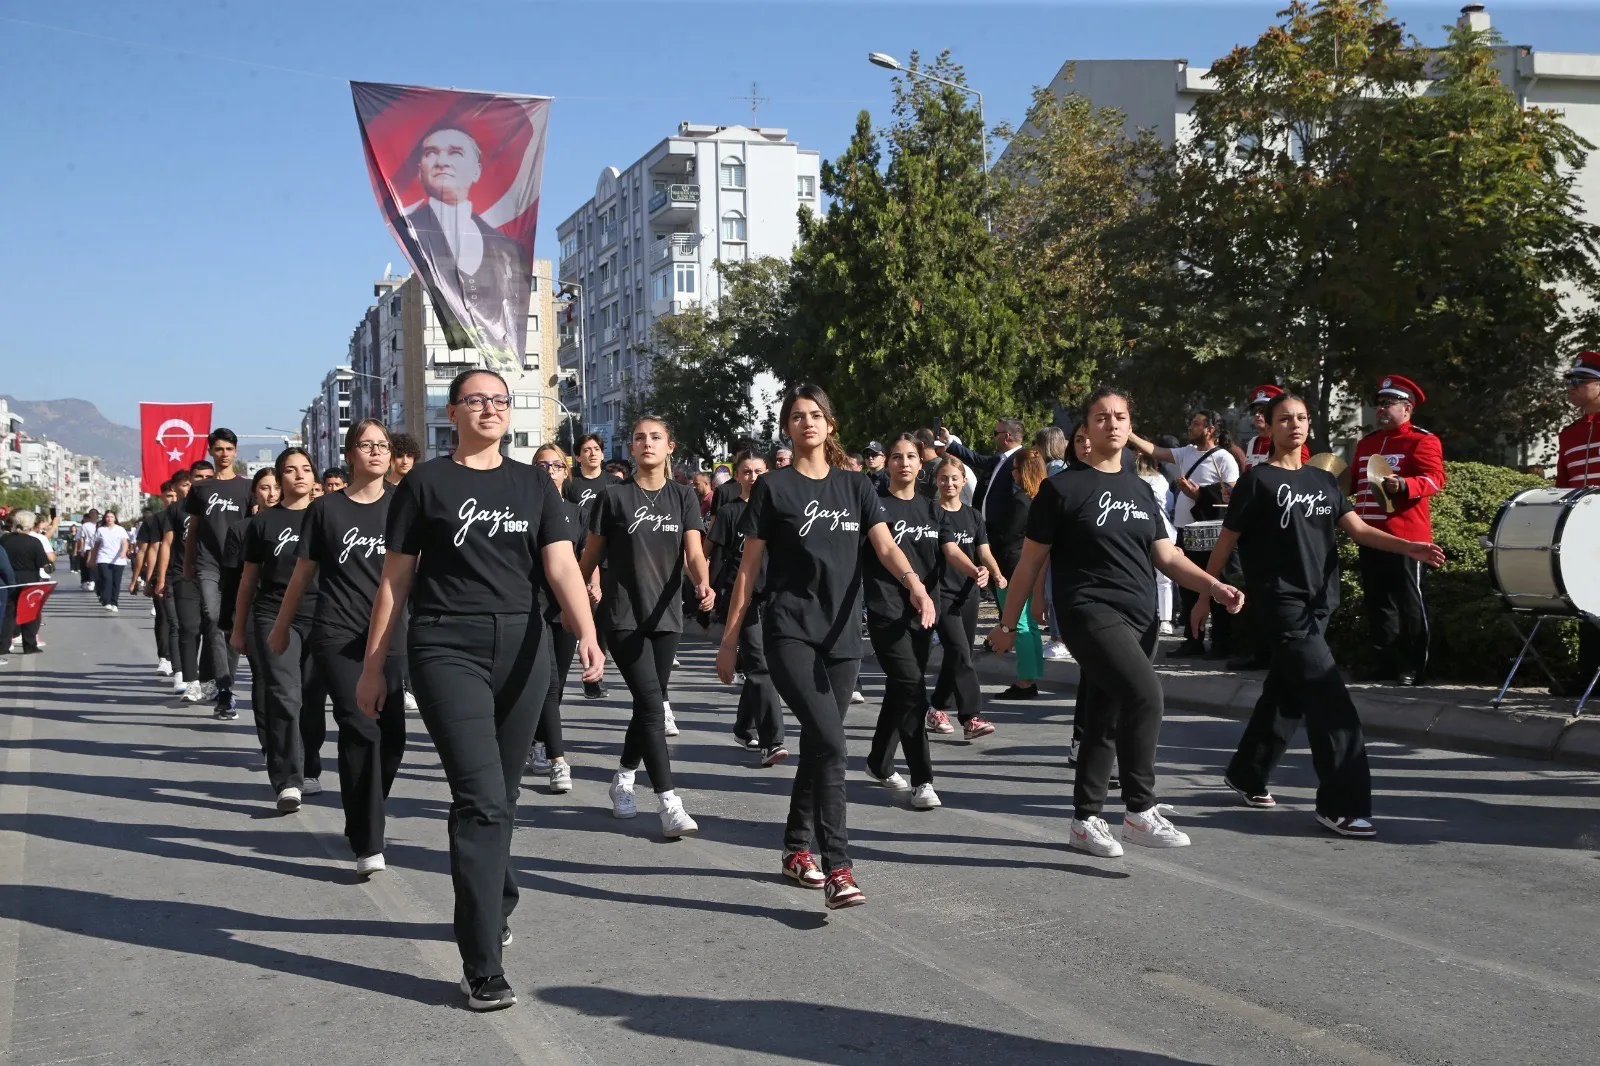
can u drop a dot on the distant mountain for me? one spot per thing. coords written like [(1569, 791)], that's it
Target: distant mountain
[(79, 426)]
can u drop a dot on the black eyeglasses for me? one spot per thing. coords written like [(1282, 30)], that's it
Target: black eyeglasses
[(373, 447), (477, 401), (553, 464)]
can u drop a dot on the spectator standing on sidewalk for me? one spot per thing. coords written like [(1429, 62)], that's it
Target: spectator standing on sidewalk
[(27, 560)]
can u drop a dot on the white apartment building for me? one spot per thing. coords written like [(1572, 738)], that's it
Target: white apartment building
[(645, 246), (75, 482), (400, 370)]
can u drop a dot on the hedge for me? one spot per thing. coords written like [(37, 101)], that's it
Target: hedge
[(1471, 641)]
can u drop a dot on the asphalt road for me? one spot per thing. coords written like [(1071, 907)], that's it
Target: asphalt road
[(155, 908)]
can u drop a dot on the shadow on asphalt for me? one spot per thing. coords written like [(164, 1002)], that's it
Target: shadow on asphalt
[(826, 1034)]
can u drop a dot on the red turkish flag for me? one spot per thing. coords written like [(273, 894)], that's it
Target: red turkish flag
[(30, 601), (171, 436)]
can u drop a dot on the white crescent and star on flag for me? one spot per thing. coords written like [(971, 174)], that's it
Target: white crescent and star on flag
[(174, 452)]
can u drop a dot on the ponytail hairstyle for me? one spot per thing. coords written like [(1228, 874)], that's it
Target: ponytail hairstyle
[(289, 453), (658, 420), (1272, 410), (832, 450)]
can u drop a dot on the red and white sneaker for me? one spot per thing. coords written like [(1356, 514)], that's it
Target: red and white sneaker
[(842, 891), (977, 727), (801, 868), (1349, 827), (939, 722)]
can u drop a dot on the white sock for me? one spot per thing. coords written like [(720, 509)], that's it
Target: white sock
[(625, 778), (667, 798)]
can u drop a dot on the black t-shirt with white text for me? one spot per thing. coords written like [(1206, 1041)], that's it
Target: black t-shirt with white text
[(1288, 521), (478, 533), (573, 527), (346, 541), (177, 521), (965, 529), (1100, 529), (272, 542), (642, 588), (728, 540), (815, 531), (585, 492), (916, 525), (218, 506)]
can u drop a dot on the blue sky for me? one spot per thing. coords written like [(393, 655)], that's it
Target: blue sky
[(191, 219)]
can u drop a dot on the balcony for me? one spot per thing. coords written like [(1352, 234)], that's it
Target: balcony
[(675, 201), (608, 236), (679, 248), (607, 335), (607, 288), (572, 267)]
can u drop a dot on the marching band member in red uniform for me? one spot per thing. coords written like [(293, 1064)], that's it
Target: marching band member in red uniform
[(1397, 616), (1578, 467), (1259, 450)]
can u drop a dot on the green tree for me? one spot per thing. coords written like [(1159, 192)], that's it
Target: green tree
[(25, 497), (902, 304)]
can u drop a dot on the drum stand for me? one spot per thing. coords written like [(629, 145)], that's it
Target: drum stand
[(1529, 649)]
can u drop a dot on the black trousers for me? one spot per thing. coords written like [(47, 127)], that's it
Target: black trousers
[(1397, 615), (108, 583), (1303, 682), (221, 661), (563, 646), (166, 636), (759, 707), (816, 686), (294, 720), (1588, 652), (1119, 706), (957, 626), (29, 630), (480, 683), (645, 662), (369, 749), (902, 651), (1221, 620), (185, 596)]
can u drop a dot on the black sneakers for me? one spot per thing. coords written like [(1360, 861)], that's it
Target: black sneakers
[(488, 993), (225, 712), (594, 690)]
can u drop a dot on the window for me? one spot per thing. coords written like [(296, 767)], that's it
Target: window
[(733, 226), (519, 440), (806, 187), (525, 400), (733, 173), (444, 438), (438, 395), (661, 285), (533, 323)]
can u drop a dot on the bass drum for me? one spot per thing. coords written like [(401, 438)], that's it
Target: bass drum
[(1544, 551)]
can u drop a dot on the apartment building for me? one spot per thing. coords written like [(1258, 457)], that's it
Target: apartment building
[(646, 244)]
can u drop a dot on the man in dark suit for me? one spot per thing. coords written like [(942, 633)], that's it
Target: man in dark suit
[(993, 495), (483, 272)]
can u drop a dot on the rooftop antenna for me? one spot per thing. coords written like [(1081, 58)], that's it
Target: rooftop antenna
[(755, 100)]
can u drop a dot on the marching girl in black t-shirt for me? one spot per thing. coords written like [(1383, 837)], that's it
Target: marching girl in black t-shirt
[(809, 522), (264, 494), (1098, 528), (901, 643), (549, 754), (587, 477), (293, 723), (958, 605), (759, 707), (342, 548), (1284, 518), (647, 530), (471, 539)]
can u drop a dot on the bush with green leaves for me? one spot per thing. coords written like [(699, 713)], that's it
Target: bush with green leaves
[(1470, 638)]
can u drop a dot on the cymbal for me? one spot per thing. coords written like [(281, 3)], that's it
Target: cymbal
[(1329, 462), (1378, 468)]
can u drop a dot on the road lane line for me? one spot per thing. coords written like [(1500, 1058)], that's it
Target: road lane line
[(13, 843)]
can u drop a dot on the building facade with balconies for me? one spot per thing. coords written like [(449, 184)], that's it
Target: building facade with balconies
[(647, 243)]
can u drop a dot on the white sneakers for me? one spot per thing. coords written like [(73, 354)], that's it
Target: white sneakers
[(410, 701), (1057, 651), (368, 865), (560, 777), (289, 800), (164, 667), (111, 607), (857, 697), (194, 692), (1094, 836), (896, 781), (621, 793), (178, 684), (668, 720), (675, 821), (1152, 830), (924, 798)]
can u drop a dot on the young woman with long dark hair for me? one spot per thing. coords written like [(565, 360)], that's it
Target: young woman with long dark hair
[(472, 537), (759, 707), (817, 521), (647, 530), (1028, 471), (963, 532), (1284, 517), (342, 548), (1098, 527), (549, 753), (265, 492), (294, 723)]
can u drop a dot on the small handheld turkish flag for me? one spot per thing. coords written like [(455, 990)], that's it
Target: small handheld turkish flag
[(171, 436), (31, 601)]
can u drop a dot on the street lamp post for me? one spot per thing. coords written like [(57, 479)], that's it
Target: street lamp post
[(889, 62)]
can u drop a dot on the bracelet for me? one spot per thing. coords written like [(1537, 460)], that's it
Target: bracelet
[(906, 574)]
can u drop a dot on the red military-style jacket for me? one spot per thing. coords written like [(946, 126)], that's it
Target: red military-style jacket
[(1417, 458), (1578, 460)]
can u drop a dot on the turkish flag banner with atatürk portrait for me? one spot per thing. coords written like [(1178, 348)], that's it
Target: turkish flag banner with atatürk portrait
[(171, 436), (457, 178)]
